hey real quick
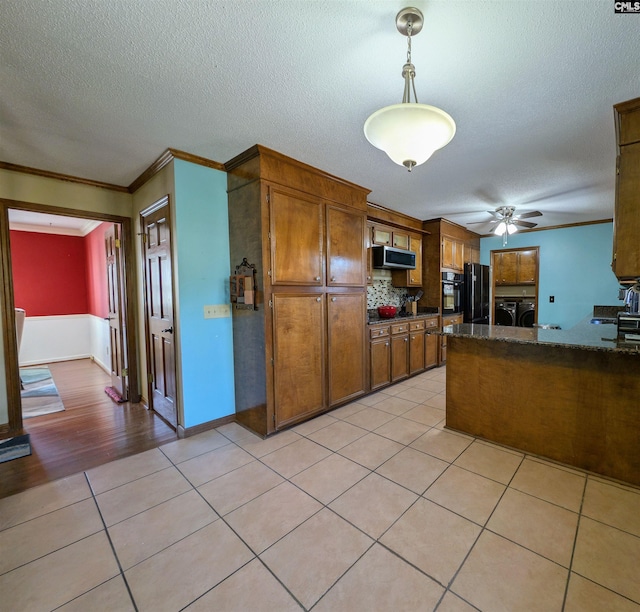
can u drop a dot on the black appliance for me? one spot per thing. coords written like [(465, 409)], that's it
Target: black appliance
[(387, 258), (452, 292), (476, 293), (526, 314), (505, 313)]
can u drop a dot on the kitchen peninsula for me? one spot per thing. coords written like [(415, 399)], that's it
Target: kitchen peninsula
[(568, 395)]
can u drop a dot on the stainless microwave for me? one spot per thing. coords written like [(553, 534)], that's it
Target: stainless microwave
[(387, 258)]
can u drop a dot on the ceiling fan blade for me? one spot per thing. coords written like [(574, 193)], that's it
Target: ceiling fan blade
[(526, 224), (487, 222), (496, 213), (527, 215)]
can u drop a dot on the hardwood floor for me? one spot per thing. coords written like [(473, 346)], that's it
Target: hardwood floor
[(91, 431)]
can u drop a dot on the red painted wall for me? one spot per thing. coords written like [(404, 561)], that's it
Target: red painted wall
[(58, 275)]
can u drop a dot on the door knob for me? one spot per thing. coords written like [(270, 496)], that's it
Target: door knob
[(169, 330)]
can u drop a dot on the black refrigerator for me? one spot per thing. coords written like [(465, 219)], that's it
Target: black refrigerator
[(476, 293)]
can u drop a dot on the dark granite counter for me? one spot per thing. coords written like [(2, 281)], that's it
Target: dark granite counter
[(583, 335), (374, 318)]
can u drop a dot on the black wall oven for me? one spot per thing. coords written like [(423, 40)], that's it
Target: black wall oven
[(452, 293)]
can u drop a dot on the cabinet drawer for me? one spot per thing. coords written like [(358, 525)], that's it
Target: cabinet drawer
[(400, 328), (416, 325), (431, 323), (376, 332)]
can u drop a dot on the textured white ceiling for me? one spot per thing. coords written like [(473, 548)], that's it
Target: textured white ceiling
[(99, 89)]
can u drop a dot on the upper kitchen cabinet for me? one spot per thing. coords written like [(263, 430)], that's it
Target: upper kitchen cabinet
[(302, 349), (515, 267), (626, 228), (410, 278), (452, 254)]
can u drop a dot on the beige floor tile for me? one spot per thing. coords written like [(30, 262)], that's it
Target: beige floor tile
[(326, 543), (119, 504), (369, 418), (45, 534), (433, 539), (259, 447), (468, 494), (427, 415), (373, 398), (228, 492), (428, 384), (612, 504), (215, 463), (412, 469), (41, 500), (396, 388), (235, 432), (442, 444), (175, 577), (337, 435), (395, 405), (188, 448), (500, 575), (60, 577), (272, 515), (402, 430), (265, 593), (415, 394), (294, 458), (111, 595), (149, 532), (381, 581), (330, 478), (586, 596), (371, 450), (117, 473), (437, 401), (373, 504), (551, 483), (452, 603), (609, 557), (346, 411), (489, 461), (308, 427), (540, 526)]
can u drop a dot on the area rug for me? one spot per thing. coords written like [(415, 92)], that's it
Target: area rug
[(40, 395), (14, 448)]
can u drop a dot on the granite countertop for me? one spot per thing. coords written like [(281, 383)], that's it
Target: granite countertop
[(374, 318), (584, 335)]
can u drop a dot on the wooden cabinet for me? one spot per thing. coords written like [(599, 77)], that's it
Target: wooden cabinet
[(367, 244), (448, 320), (471, 254), (416, 347), (431, 342), (379, 357), (410, 278), (517, 267), (389, 236), (626, 245), (303, 348), (399, 351), (452, 254)]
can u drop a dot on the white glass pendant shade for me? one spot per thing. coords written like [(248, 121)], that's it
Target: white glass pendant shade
[(501, 229), (409, 133), (511, 228)]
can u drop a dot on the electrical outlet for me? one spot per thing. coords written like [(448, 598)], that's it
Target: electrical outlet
[(552, 298), (217, 311)]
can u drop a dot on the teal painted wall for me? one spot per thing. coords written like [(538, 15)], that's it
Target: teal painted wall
[(202, 244), (575, 267)]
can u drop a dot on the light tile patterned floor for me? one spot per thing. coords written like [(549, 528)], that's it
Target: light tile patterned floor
[(373, 507)]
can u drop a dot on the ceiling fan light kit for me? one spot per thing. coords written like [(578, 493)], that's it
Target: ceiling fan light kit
[(409, 133)]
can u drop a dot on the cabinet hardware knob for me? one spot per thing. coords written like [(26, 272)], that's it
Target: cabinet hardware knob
[(318, 299), (317, 278), (333, 299), (386, 344), (333, 279)]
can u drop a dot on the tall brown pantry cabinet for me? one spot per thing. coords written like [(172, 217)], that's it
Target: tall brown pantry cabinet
[(303, 349)]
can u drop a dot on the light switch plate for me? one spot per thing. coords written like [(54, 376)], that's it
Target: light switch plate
[(217, 311)]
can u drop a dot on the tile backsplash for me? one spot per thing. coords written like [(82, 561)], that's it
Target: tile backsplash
[(382, 292)]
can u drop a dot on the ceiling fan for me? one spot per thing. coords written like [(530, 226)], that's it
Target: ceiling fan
[(505, 222)]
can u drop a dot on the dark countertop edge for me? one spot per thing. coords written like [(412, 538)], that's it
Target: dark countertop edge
[(396, 319), (583, 336)]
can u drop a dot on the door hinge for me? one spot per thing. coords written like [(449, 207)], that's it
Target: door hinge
[(272, 362), (268, 200), (270, 303), (144, 237), (125, 371), (274, 419), (269, 235), (150, 378), (117, 243), (268, 272)]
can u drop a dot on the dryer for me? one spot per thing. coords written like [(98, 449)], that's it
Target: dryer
[(505, 313), (526, 314)]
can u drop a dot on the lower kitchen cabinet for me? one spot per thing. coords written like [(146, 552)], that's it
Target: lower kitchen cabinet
[(416, 347), (431, 341), (399, 351), (379, 363), (448, 320)]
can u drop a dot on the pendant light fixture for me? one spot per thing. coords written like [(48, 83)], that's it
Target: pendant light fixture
[(409, 133)]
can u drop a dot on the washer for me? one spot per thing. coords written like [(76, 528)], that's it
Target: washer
[(505, 313), (526, 314)]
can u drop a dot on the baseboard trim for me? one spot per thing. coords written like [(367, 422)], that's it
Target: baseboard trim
[(187, 432)]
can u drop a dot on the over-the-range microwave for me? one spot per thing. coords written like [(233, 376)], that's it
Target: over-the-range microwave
[(387, 257)]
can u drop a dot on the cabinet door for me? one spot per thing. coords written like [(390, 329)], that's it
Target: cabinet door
[(346, 314), (368, 243), (527, 267), (458, 255), (382, 235), (626, 245), (448, 247), (296, 239), (410, 278), (379, 363), (399, 357), (431, 350), (346, 263), (298, 355), (506, 268), (400, 240), (416, 352)]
